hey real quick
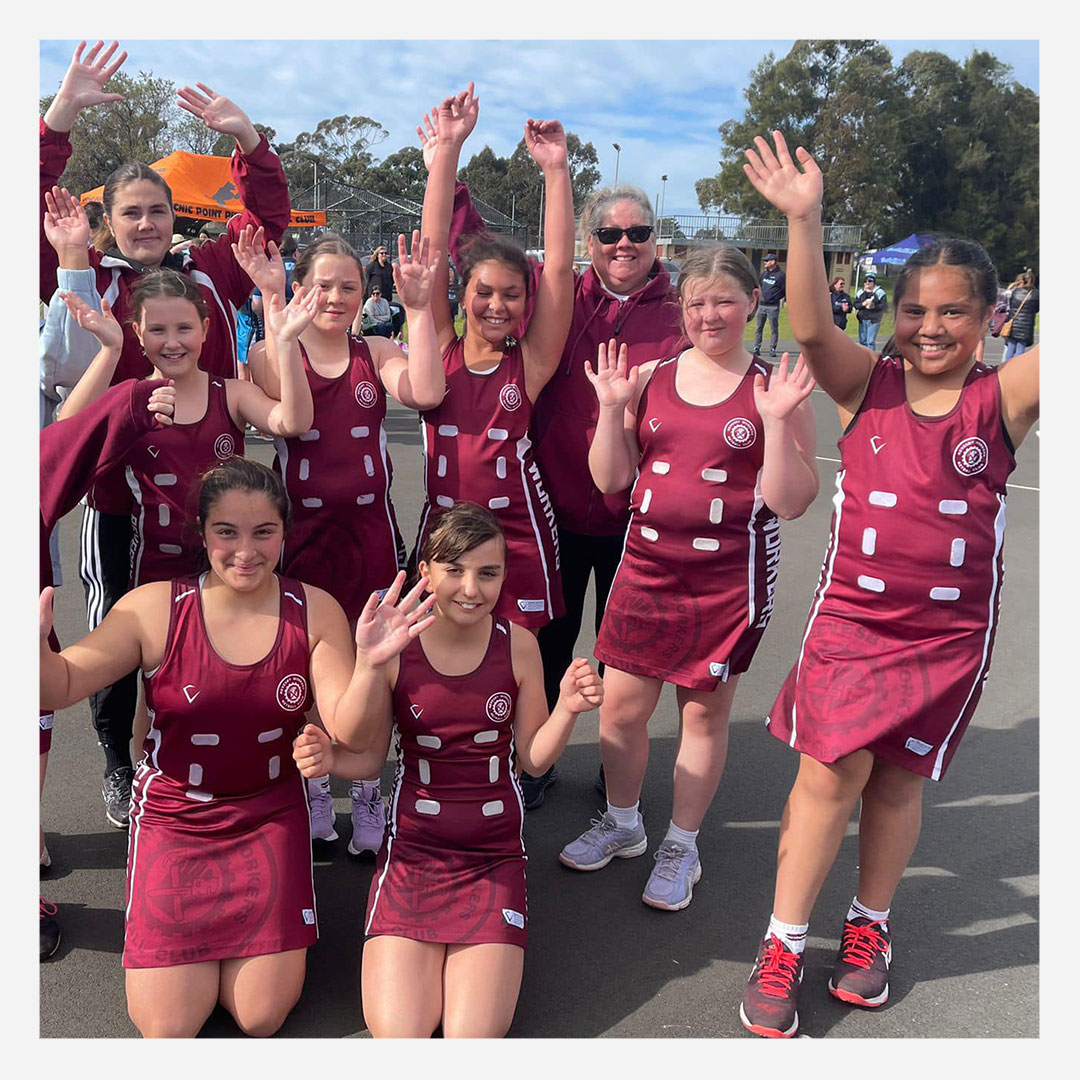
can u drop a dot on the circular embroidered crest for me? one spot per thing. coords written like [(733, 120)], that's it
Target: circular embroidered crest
[(291, 692), (498, 707), (740, 433), (366, 394), (970, 456), (510, 396), (224, 446)]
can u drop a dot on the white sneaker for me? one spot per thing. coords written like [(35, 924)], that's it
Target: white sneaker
[(321, 804)]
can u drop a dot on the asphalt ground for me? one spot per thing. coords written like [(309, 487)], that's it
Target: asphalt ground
[(600, 963)]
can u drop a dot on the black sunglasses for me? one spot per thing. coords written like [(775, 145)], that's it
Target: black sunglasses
[(609, 234)]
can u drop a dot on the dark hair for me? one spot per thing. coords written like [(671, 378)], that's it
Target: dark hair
[(457, 530), (712, 260), (241, 474), (327, 244), (288, 245), (965, 255), (483, 247), (125, 174), (169, 284)]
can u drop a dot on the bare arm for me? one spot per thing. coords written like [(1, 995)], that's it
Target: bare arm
[(614, 452), (789, 479), (317, 755), (1019, 380), (841, 366)]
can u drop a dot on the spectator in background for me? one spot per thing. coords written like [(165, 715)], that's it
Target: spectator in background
[(870, 310), (841, 301), (1023, 307), (380, 274), (773, 290), (377, 310)]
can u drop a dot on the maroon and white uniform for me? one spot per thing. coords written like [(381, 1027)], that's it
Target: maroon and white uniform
[(477, 448), (219, 853), (694, 589), (161, 472), (452, 863), (344, 536), (898, 641)]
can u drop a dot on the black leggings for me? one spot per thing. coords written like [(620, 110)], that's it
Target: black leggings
[(579, 558)]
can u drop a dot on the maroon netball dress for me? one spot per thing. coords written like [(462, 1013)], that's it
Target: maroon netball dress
[(219, 855), (477, 448), (694, 589), (452, 863), (161, 472), (898, 641), (344, 536)]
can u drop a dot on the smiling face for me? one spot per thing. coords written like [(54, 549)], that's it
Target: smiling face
[(467, 587), (342, 289), (623, 266), (171, 334), (494, 300), (141, 219), (939, 321), (715, 311), (243, 533)]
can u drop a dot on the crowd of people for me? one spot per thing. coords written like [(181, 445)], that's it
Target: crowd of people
[(253, 631)]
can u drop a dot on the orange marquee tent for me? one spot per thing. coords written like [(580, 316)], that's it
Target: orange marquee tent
[(202, 188)]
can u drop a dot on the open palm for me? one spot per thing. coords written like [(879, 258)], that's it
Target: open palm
[(785, 392), (65, 223), (414, 275), (216, 111), (385, 627), (613, 383), (84, 80), (263, 264), (776, 177)]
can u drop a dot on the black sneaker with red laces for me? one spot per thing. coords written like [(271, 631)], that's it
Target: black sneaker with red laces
[(771, 997), (861, 975), (50, 929)]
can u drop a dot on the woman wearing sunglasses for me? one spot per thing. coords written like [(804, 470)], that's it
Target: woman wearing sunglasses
[(625, 293)]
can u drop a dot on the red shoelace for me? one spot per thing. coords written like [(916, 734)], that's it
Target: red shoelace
[(47, 909), (778, 970), (860, 945)]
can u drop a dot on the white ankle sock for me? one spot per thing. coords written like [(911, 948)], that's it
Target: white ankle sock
[(681, 836), (626, 817), (793, 936), (859, 910)]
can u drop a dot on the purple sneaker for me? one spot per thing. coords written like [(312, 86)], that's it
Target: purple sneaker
[(321, 804), (671, 884), (368, 817)]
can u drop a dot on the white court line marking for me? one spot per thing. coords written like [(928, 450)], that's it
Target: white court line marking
[(1017, 487)]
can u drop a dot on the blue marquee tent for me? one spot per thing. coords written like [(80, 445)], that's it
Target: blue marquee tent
[(896, 254)]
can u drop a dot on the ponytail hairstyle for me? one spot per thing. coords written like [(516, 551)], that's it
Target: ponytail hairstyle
[(134, 170), (170, 284), (327, 244), (710, 262), (965, 255)]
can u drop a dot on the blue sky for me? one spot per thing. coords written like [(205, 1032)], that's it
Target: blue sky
[(660, 100)]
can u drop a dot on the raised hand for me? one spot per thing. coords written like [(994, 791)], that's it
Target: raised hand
[(581, 688), (546, 142), (286, 322), (414, 275), (66, 224), (385, 627), (613, 383), (84, 80), (162, 403), (785, 393), (777, 178), (261, 262), (429, 137), (216, 112), (101, 324), (456, 117), (313, 752)]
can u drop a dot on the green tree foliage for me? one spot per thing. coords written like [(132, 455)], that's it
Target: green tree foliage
[(339, 148), (400, 175), (927, 145), (486, 176)]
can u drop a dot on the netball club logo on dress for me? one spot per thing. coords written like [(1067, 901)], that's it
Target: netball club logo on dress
[(498, 707), (740, 433), (971, 456), (510, 396), (366, 394), (224, 447), (291, 692)]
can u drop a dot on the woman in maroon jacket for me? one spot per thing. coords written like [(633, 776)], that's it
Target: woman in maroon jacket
[(137, 234), (624, 294)]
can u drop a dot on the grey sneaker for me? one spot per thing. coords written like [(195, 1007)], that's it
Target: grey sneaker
[(605, 841), (671, 884), (368, 817), (321, 804)]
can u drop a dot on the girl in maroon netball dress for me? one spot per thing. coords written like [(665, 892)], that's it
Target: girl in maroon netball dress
[(898, 641), (447, 913), (721, 448), (220, 897), (476, 442), (338, 473)]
